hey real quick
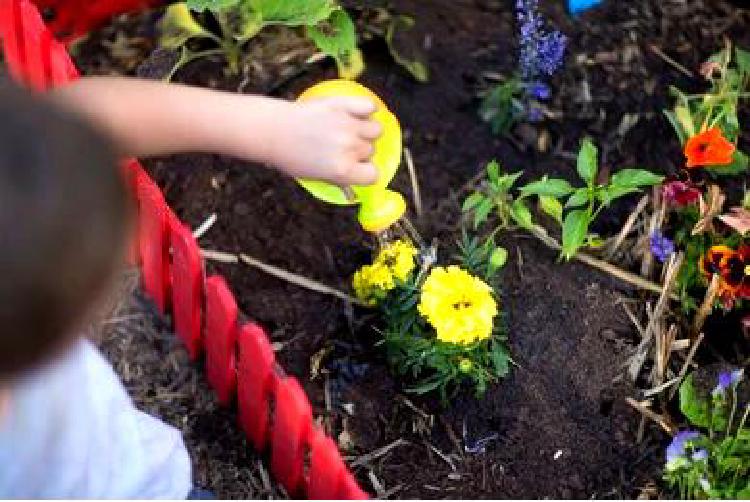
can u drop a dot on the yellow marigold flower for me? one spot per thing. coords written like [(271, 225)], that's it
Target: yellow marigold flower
[(371, 282), (458, 305), (399, 258)]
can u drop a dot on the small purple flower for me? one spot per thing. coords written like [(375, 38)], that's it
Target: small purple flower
[(540, 90), (727, 379), (676, 448), (661, 246), (699, 455)]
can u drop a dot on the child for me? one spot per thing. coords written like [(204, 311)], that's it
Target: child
[(67, 427)]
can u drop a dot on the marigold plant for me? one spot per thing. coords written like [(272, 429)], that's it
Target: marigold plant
[(441, 324)]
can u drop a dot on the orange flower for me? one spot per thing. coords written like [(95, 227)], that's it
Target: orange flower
[(734, 270), (709, 148)]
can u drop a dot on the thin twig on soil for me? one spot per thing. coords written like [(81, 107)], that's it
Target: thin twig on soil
[(643, 408), (707, 305), (639, 357), (623, 275), (292, 278), (205, 226), (686, 364), (627, 227), (670, 61), (416, 194), (374, 455)]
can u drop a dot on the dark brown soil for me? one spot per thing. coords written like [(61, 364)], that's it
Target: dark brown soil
[(562, 428)]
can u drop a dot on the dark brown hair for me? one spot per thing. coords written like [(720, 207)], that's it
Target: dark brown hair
[(63, 223)]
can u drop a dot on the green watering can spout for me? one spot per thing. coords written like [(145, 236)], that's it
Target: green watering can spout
[(379, 207)]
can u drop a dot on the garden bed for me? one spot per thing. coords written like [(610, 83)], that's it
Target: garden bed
[(563, 429)]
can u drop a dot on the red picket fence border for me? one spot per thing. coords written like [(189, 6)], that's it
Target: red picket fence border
[(273, 410)]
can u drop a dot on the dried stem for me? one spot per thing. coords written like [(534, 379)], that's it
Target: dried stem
[(418, 208)]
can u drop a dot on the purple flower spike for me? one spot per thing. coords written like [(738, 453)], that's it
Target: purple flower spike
[(676, 449), (661, 246), (541, 51)]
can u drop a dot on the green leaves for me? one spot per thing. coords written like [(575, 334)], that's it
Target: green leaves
[(293, 12), (698, 409), (739, 165), (550, 187), (574, 231), (521, 214), (178, 26), (501, 108), (406, 48), (635, 178), (588, 163), (337, 37), (212, 5), (552, 207)]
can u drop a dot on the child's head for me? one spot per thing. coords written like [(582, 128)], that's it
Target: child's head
[(63, 222)]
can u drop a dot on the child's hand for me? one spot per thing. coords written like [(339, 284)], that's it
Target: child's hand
[(328, 139)]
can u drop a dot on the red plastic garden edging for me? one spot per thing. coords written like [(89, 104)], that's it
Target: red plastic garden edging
[(240, 362)]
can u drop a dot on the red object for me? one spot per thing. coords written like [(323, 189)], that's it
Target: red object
[(73, 18), (187, 288), (36, 47), (327, 469), (37, 60), (292, 428), (255, 382), (10, 26), (153, 241), (351, 489), (221, 338), (709, 148), (680, 194)]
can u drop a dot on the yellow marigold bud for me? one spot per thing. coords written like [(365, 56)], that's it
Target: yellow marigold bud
[(398, 257), (465, 365)]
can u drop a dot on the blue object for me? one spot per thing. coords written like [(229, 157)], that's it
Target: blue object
[(578, 6)]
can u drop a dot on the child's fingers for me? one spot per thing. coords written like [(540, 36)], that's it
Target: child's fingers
[(365, 150), (362, 173), (370, 130), (357, 106)]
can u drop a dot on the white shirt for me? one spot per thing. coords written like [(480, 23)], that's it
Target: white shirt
[(71, 431)]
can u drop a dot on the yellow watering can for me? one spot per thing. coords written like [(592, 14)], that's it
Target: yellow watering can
[(379, 208)]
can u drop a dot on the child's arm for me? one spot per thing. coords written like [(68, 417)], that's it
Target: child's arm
[(328, 139)]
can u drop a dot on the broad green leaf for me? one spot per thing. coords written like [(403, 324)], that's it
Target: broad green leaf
[(337, 37), (588, 161), (482, 211), (406, 49), (739, 165), (553, 187), (212, 5), (697, 408), (293, 12), (426, 386), (493, 171), (742, 58), (635, 178), (575, 229), (473, 201), (552, 207), (178, 26), (609, 193), (521, 214), (579, 198)]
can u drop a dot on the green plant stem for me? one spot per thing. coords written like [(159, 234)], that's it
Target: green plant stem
[(744, 420), (734, 410)]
